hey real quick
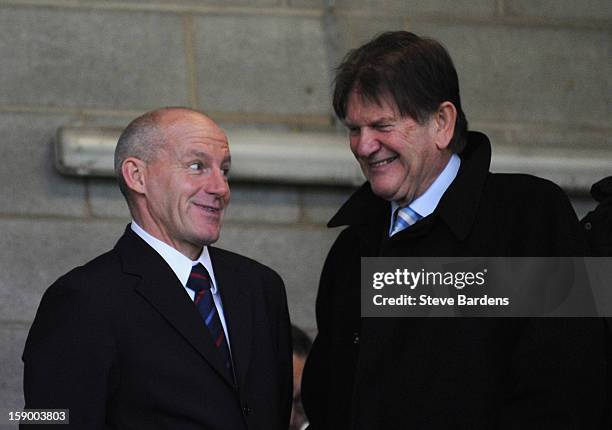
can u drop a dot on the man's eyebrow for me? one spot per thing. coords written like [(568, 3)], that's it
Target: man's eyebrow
[(383, 120), (198, 154), (377, 121), (205, 156)]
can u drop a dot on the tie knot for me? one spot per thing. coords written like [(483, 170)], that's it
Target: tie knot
[(404, 218), (199, 279)]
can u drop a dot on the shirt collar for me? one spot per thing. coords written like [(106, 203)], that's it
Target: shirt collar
[(457, 208), (426, 203), (179, 263)]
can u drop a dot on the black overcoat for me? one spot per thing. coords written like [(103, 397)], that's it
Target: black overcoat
[(459, 373)]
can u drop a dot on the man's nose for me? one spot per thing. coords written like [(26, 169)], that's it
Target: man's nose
[(366, 144), (217, 183)]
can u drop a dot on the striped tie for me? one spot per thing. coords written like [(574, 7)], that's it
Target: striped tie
[(404, 218), (199, 282)]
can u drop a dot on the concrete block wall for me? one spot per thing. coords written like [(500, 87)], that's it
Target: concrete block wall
[(532, 73)]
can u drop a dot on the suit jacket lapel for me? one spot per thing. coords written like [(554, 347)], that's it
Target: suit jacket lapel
[(162, 290), (237, 310)]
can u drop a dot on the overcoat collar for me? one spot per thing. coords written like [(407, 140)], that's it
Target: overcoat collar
[(458, 205), (163, 291)]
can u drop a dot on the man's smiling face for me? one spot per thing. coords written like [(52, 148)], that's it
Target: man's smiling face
[(399, 156), (186, 187)]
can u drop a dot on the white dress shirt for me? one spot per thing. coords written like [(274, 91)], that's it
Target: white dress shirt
[(181, 266), (426, 203)]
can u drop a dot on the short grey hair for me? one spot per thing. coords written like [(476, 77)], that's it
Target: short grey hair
[(141, 139)]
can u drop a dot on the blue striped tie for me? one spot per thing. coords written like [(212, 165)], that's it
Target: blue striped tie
[(404, 218), (199, 282)]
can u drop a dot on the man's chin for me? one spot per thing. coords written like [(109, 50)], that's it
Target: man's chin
[(382, 191), (208, 238)]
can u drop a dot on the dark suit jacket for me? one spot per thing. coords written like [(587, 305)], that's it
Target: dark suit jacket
[(454, 373), (119, 343)]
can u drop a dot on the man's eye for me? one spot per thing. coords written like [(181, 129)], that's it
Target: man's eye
[(383, 127), (353, 131), (225, 172), (195, 166)]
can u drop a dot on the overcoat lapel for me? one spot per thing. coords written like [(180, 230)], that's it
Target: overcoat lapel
[(236, 298), (163, 291)]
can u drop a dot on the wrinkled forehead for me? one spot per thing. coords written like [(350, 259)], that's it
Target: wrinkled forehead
[(193, 129), (361, 96), (359, 102)]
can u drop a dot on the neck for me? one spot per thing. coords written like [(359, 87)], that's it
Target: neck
[(156, 230)]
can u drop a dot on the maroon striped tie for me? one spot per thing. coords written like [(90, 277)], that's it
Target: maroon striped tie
[(199, 282)]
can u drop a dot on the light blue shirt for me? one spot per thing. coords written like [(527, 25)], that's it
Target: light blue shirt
[(181, 266), (427, 202)]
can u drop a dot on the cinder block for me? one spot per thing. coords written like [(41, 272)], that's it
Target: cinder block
[(597, 9), (352, 31), (267, 203), (199, 3), (106, 200), (9, 427), (547, 135), (527, 74), (71, 57), (30, 183), (320, 204), (311, 4), (461, 8), (12, 339), (40, 252), (118, 120), (263, 64), (253, 3), (421, 7), (296, 253)]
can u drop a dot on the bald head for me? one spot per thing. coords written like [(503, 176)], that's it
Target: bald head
[(145, 135), (172, 165), (170, 118)]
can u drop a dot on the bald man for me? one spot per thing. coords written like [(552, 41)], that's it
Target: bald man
[(165, 331)]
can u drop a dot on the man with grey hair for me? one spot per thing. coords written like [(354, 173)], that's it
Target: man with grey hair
[(429, 194), (166, 331)]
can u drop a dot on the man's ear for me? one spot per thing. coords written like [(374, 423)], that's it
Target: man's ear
[(133, 171), (445, 119)]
